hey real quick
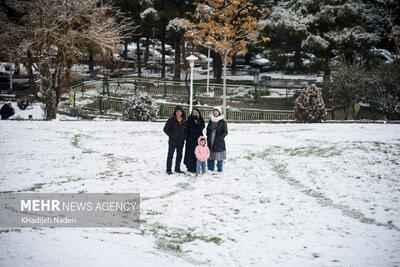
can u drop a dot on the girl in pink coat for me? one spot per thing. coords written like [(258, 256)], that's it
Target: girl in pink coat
[(202, 153)]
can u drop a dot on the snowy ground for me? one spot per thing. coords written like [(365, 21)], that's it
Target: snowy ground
[(34, 109), (290, 195)]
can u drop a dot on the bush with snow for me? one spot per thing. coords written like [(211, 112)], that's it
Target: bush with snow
[(140, 107), (310, 106)]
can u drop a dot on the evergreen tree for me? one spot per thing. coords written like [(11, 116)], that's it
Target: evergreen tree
[(320, 26), (383, 89), (347, 87)]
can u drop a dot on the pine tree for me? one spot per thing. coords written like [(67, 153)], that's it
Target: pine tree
[(319, 26), (383, 89), (347, 87)]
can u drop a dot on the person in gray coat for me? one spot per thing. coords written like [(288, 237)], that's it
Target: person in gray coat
[(217, 129)]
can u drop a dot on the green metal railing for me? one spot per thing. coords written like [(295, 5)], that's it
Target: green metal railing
[(101, 104), (163, 87), (243, 114)]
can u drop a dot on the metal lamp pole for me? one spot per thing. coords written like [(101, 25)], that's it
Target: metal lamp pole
[(191, 60)]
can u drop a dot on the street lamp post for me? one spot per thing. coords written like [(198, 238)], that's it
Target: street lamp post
[(191, 60)]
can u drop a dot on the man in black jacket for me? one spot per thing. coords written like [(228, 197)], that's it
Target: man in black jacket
[(6, 111), (175, 129)]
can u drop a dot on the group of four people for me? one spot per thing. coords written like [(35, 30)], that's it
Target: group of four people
[(180, 130)]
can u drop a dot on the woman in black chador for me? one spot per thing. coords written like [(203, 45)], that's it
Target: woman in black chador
[(194, 129)]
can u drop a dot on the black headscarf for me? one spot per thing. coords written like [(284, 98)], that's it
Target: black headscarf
[(194, 120), (195, 117)]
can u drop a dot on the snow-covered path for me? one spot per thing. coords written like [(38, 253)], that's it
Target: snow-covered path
[(290, 195)]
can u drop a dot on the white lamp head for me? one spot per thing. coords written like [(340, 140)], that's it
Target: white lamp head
[(191, 60)]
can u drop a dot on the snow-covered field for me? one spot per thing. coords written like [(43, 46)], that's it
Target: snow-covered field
[(290, 195)]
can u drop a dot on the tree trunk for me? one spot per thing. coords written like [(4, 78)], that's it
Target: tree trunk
[(163, 54), (297, 59), (91, 65), (106, 83), (327, 71), (183, 51), (58, 98), (346, 113), (68, 72), (146, 52), (224, 87), (50, 96), (233, 65), (187, 86), (348, 57), (28, 68), (125, 54), (55, 82), (17, 69), (217, 66), (139, 65), (177, 63)]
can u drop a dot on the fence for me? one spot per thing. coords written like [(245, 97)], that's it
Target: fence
[(242, 114), (101, 103), (162, 87)]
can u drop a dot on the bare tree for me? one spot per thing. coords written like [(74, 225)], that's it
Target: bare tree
[(61, 31)]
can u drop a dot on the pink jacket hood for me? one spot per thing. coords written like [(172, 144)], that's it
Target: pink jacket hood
[(199, 139), (202, 152)]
